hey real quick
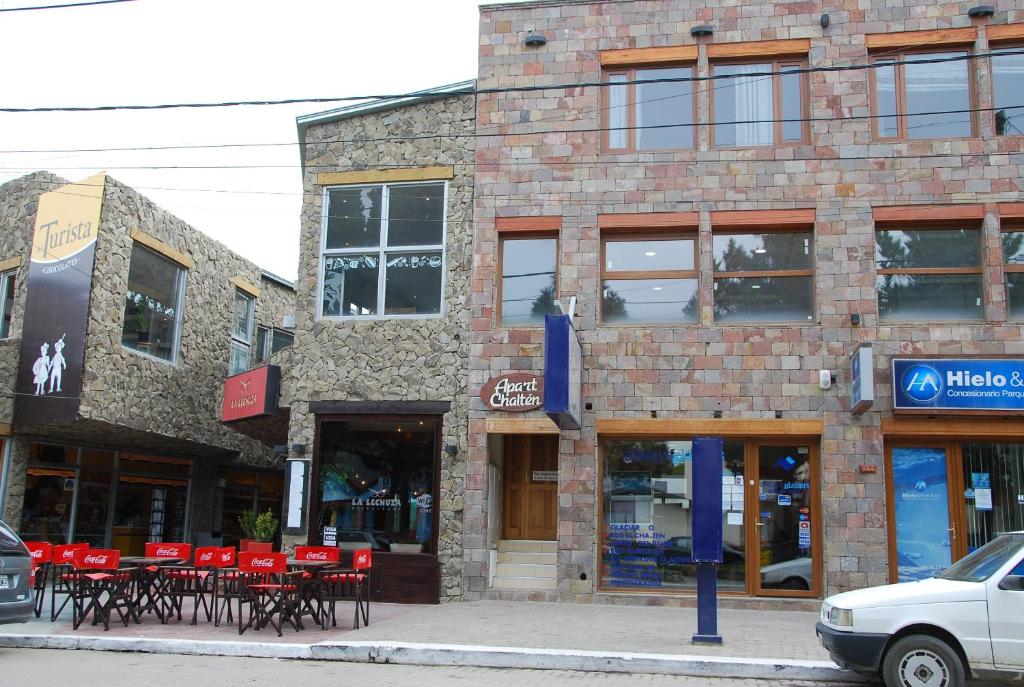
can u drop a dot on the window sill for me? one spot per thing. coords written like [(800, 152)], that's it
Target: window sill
[(763, 146), (931, 323), (173, 362), (649, 325), (376, 318)]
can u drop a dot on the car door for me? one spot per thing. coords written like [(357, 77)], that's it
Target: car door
[(1006, 621)]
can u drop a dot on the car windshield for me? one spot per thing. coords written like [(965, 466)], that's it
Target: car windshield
[(9, 542), (983, 563)]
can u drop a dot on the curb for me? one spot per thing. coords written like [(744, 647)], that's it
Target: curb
[(409, 653)]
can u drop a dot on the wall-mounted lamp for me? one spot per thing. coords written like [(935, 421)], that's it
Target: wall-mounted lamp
[(825, 20), (981, 11), (281, 450), (702, 31), (451, 449), (855, 318), (535, 40), (299, 449)]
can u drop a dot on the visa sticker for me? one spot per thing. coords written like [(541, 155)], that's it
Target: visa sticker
[(785, 500)]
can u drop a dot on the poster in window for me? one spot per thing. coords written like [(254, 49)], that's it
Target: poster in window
[(922, 512)]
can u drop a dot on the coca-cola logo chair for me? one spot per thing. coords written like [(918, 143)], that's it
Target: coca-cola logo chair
[(227, 584), (197, 582), (42, 555), (269, 592), (349, 584), (312, 561), (61, 576), (99, 587)]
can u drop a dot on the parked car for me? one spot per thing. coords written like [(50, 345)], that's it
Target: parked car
[(15, 578), (361, 539), (967, 621), (793, 574)]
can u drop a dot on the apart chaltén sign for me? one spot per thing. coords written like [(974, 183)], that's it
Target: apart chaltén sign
[(251, 394), (959, 384), (49, 381), (515, 392)]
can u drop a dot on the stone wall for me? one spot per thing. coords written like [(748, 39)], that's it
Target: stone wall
[(742, 371), (407, 359)]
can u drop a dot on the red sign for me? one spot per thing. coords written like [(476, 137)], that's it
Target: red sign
[(515, 392), (251, 394)]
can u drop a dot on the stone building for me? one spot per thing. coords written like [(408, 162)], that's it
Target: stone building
[(376, 380), (132, 319), (741, 197)]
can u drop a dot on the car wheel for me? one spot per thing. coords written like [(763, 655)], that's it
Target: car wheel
[(794, 583), (922, 661)]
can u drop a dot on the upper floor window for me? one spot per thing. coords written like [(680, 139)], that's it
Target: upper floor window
[(270, 341), (1013, 268), (929, 274), (649, 279), (6, 302), (1007, 87), (382, 250), (650, 116), (152, 313), (907, 88), (759, 104), (241, 332), (529, 279), (763, 277)]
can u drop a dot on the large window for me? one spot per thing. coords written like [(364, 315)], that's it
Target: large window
[(907, 88), (929, 274), (650, 116), (759, 104), (152, 312), (383, 250), (1007, 87), (1013, 256), (763, 277), (529, 279), (241, 332), (6, 302), (649, 280)]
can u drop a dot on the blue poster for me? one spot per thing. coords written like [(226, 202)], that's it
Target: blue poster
[(922, 512)]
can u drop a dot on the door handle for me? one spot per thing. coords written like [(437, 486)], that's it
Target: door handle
[(758, 523), (952, 531)]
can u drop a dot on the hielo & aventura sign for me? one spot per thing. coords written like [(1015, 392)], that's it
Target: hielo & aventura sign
[(515, 392), (958, 384)]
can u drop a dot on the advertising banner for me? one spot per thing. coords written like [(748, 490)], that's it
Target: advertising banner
[(563, 372), (59, 282), (958, 384), (862, 379), (251, 393), (921, 503)]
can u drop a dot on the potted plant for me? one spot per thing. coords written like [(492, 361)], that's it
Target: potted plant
[(259, 531)]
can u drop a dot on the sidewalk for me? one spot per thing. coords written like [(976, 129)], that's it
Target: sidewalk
[(506, 634)]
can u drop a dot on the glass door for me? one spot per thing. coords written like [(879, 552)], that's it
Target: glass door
[(787, 522), (993, 492), (925, 537)]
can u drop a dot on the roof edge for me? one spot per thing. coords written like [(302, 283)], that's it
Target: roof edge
[(384, 104)]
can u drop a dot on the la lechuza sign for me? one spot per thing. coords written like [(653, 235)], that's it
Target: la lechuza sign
[(515, 392)]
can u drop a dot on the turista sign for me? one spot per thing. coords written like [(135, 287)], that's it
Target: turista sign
[(515, 392)]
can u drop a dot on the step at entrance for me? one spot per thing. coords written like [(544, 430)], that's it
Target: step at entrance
[(526, 564)]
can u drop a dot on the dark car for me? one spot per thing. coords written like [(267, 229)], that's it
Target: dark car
[(15, 578), (677, 551)]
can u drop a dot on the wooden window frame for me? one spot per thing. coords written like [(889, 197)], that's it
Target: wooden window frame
[(775, 64), (1012, 225), (514, 235), (739, 230), (901, 91), (1012, 43), (6, 277), (666, 234), (629, 71)]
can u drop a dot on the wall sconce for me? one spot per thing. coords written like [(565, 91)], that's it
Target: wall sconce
[(299, 449), (535, 40), (451, 449), (855, 318), (702, 31), (981, 11), (825, 20)]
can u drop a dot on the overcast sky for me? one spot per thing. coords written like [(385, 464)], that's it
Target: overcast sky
[(161, 51)]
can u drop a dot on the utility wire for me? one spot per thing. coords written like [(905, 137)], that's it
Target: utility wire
[(60, 7), (507, 89)]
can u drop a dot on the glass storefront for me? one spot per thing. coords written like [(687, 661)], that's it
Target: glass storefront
[(377, 484), (105, 498), (646, 528)]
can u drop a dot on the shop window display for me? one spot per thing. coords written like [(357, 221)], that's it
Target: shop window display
[(377, 484)]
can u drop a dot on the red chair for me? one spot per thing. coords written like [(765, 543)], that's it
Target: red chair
[(227, 581), (311, 591), (198, 582), (154, 593), (42, 556), (62, 568), (349, 585), (99, 587), (327, 554), (265, 585), (168, 550)]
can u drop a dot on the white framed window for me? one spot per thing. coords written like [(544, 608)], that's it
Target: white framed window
[(241, 332), (382, 251), (152, 312), (7, 282)]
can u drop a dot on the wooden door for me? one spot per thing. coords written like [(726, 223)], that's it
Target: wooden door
[(530, 503)]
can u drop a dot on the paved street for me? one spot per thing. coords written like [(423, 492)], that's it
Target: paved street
[(53, 668)]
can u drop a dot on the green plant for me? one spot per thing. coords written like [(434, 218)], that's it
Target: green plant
[(261, 528)]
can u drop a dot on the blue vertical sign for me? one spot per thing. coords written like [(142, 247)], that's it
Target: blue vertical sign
[(708, 459), (563, 372), (921, 503)]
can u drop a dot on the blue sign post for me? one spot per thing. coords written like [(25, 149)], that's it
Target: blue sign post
[(708, 458), (958, 384)]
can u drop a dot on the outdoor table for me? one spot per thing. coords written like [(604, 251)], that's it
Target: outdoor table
[(149, 593), (309, 587)]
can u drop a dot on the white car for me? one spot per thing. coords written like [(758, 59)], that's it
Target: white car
[(966, 622)]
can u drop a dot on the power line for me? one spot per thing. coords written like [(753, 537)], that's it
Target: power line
[(507, 89), (60, 7)]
